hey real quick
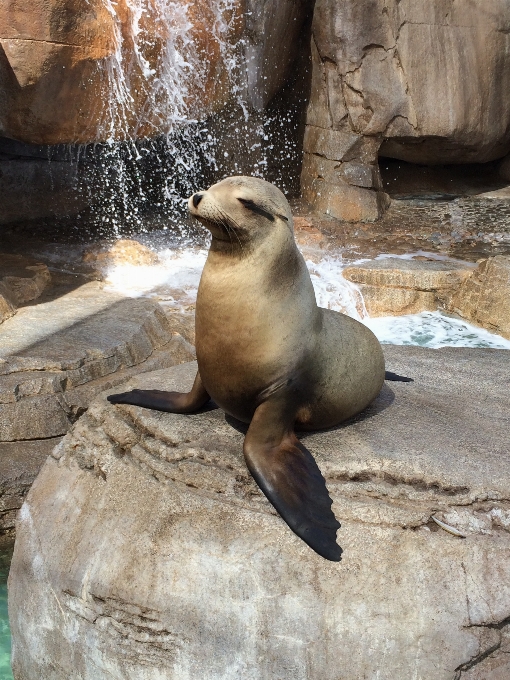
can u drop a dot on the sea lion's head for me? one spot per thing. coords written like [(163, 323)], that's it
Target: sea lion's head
[(242, 210)]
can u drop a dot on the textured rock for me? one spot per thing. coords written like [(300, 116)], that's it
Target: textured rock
[(56, 356), (144, 549), (485, 296), (400, 286), (124, 251), (84, 72), (21, 280), (32, 187), (370, 79), (20, 463), (7, 306)]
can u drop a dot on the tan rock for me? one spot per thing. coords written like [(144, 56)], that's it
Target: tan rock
[(22, 280), (394, 286), (307, 235), (369, 78), (84, 72), (124, 251), (144, 548), (484, 298), (7, 306), (344, 201)]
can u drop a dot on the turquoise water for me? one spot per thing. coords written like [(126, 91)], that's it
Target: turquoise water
[(5, 633)]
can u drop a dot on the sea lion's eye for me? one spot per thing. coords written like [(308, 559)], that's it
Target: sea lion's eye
[(250, 205)]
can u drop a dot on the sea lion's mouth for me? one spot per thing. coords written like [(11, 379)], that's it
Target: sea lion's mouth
[(220, 230)]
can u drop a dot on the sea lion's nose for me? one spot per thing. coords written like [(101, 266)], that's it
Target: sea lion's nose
[(196, 199)]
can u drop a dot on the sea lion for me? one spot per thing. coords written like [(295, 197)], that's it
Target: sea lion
[(268, 355)]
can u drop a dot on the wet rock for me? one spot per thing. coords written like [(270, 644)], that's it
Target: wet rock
[(78, 73), (484, 297), (369, 80), (102, 256), (144, 547), (394, 286), (54, 357)]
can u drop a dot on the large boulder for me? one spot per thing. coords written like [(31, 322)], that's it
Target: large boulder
[(422, 82), (145, 550), (95, 71)]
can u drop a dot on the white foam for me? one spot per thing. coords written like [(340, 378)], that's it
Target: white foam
[(433, 329), (175, 281)]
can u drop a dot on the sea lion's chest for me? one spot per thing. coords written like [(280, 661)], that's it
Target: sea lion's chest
[(248, 335)]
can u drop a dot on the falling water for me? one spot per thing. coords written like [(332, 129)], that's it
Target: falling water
[(162, 88)]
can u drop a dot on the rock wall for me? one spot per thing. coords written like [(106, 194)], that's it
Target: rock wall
[(422, 82), (74, 72)]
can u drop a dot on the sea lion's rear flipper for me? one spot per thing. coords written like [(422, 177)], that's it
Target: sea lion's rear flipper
[(290, 478), (172, 402), (395, 377)]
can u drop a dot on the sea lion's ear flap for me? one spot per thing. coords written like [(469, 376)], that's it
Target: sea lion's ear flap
[(290, 478), (250, 205)]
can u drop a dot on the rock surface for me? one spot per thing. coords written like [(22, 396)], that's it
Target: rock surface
[(374, 93), (484, 297), (20, 463), (75, 72), (144, 549), (393, 286), (22, 280), (55, 356)]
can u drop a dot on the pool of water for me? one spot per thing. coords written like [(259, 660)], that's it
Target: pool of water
[(5, 633)]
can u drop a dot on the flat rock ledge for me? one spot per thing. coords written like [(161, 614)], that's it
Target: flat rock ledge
[(145, 551)]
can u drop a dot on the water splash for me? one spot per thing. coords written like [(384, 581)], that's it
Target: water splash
[(176, 114)]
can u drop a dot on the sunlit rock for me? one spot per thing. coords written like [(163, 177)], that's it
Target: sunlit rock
[(101, 71), (393, 286), (485, 296), (56, 356), (145, 550), (124, 251), (422, 82)]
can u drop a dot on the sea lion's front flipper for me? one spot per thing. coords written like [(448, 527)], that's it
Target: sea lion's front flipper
[(290, 478), (172, 402)]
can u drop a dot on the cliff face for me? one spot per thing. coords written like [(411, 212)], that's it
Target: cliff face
[(422, 82), (73, 72)]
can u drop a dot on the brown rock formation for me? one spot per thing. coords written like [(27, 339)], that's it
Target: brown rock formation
[(422, 82), (485, 296), (396, 286), (83, 72)]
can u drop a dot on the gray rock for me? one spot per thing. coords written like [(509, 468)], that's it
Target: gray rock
[(20, 463), (145, 550), (56, 356)]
